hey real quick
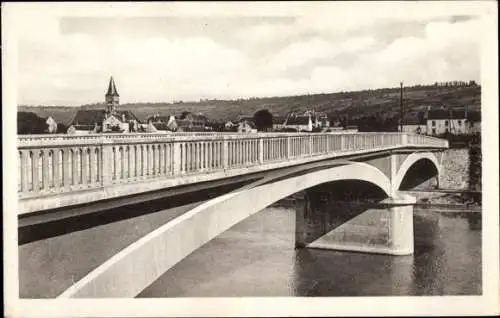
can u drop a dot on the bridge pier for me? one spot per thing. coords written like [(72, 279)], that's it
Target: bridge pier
[(384, 227)]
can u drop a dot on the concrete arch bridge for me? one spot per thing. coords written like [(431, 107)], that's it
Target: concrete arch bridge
[(350, 187)]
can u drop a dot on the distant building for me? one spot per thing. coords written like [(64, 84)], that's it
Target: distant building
[(229, 125), (299, 123), (105, 120), (191, 122), (163, 123), (247, 126), (322, 122), (443, 121), (279, 122)]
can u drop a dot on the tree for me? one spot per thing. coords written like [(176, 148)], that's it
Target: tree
[(30, 123), (263, 120), (61, 128)]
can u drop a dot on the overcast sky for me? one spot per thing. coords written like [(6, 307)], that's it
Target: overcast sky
[(67, 60)]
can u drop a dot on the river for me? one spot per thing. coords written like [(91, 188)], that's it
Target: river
[(257, 258)]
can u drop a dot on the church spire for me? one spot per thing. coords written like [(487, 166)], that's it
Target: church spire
[(112, 88), (112, 98)]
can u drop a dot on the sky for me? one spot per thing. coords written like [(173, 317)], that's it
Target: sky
[(66, 59)]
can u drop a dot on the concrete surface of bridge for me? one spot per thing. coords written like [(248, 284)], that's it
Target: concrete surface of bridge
[(360, 175)]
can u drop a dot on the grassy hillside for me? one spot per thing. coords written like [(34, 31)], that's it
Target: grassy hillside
[(353, 104)]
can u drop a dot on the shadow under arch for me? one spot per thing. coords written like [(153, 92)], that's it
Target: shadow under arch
[(416, 169), (148, 258)]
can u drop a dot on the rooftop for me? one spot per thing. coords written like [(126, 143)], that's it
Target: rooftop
[(298, 120)]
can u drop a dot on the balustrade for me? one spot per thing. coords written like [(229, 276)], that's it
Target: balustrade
[(62, 163)]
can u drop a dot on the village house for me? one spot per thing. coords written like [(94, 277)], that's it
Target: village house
[(230, 126), (191, 122), (247, 126), (299, 122), (279, 122), (163, 123), (320, 120), (105, 120), (444, 121)]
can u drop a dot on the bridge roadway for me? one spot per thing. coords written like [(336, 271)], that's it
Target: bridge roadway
[(67, 176), (60, 170)]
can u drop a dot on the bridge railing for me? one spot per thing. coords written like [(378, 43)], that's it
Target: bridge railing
[(61, 163)]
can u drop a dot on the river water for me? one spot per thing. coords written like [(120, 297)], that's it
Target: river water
[(257, 258)]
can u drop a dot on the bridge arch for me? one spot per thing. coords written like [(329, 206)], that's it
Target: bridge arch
[(148, 258), (415, 161)]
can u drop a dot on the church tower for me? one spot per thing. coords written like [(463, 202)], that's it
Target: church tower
[(112, 98)]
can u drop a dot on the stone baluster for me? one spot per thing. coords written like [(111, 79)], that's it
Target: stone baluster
[(85, 166), (260, 150), (167, 155), (154, 164), (178, 158), (209, 155), (45, 169), (149, 160), (66, 168), (131, 161), (96, 155), (203, 155), (201, 148), (34, 170), (144, 160), (238, 152), (24, 170), (115, 163), (194, 158), (92, 166), (161, 159), (125, 162), (137, 160), (225, 154), (74, 166), (188, 156), (107, 163)]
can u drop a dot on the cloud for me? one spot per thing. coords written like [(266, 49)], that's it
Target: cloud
[(305, 52), (309, 53)]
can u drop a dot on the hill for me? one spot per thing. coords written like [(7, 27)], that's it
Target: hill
[(353, 104)]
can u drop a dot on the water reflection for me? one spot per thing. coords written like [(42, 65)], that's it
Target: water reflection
[(257, 258)]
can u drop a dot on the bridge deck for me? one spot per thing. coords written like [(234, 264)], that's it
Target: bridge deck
[(61, 170)]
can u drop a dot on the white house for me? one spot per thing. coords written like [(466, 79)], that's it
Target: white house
[(443, 121), (246, 126), (278, 122)]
